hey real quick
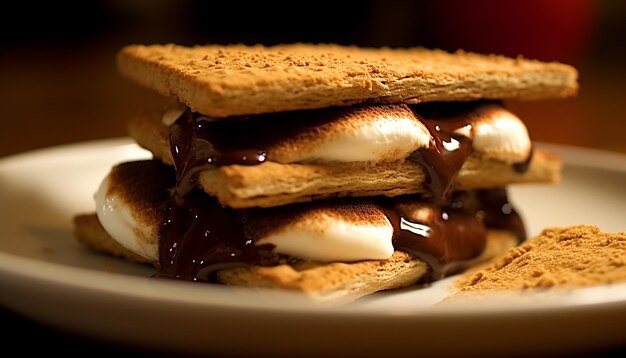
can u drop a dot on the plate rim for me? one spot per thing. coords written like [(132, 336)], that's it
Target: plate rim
[(12, 266)]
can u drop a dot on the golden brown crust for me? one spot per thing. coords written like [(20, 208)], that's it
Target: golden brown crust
[(89, 231), (327, 282), (331, 282), (272, 184), (151, 135), (317, 217), (146, 185), (223, 81)]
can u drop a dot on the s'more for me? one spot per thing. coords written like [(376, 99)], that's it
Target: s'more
[(328, 170)]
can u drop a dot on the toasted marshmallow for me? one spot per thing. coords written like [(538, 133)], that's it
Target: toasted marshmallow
[(499, 134), (392, 132), (318, 233), (119, 220), (362, 134), (334, 233)]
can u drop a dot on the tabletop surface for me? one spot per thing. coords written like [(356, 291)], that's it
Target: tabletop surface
[(56, 341)]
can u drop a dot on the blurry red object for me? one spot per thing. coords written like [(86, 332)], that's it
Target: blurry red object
[(548, 30)]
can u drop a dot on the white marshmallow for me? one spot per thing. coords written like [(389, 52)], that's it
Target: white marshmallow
[(503, 136), (496, 133), (332, 239), (118, 220), (383, 138), (329, 239)]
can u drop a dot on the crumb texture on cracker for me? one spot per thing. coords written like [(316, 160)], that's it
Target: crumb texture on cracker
[(273, 184), (223, 81)]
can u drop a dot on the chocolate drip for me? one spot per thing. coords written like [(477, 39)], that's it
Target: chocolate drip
[(443, 158), (447, 242), (200, 236), (197, 236), (198, 143), (451, 238), (448, 150)]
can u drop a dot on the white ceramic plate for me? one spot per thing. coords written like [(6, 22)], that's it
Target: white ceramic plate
[(46, 275)]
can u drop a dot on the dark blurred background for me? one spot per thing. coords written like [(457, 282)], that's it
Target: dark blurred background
[(58, 81)]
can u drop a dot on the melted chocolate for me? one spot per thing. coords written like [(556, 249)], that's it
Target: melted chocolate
[(447, 151), (496, 211), (198, 142), (451, 239), (443, 158), (200, 236), (446, 242)]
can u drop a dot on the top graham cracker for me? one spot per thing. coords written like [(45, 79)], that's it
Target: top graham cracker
[(222, 81)]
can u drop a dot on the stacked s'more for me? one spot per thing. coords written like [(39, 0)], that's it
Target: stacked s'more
[(333, 171)]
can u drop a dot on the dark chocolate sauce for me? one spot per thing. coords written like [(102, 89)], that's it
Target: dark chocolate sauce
[(198, 143), (451, 239), (200, 236), (446, 242), (443, 159), (496, 211), (447, 151)]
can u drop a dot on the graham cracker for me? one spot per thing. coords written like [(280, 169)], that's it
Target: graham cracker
[(222, 81), (337, 282), (272, 184)]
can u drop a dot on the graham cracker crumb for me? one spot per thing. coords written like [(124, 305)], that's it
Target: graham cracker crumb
[(568, 257)]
